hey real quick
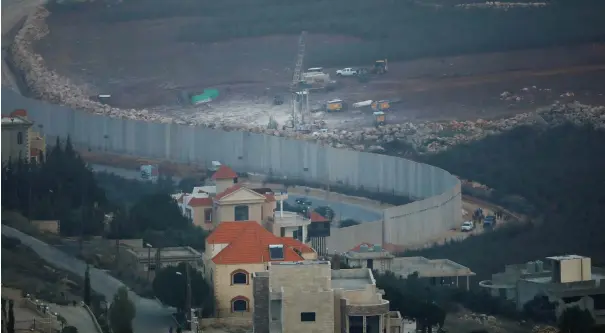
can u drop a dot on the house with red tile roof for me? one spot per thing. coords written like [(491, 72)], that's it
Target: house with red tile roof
[(234, 251), (20, 138), (207, 206)]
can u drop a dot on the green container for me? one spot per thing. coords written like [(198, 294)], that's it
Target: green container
[(207, 96)]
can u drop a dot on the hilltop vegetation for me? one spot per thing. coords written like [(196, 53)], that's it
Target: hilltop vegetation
[(386, 28), (560, 171)]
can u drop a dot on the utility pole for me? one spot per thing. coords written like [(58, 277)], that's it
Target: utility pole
[(148, 246), (188, 301)]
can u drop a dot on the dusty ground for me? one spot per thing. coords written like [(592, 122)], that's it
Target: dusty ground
[(142, 65)]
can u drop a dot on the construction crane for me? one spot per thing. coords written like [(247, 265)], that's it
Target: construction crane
[(300, 98)]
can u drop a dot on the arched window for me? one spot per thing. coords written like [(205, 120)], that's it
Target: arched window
[(19, 138), (239, 277), (241, 213), (239, 304)]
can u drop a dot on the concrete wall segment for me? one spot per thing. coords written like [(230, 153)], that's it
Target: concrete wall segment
[(439, 208)]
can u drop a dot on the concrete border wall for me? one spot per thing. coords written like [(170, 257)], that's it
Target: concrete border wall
[(438, 209)]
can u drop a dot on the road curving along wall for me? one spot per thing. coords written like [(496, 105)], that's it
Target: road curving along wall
[(438, 193)]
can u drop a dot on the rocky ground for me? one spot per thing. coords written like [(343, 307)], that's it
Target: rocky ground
[(462, 85)]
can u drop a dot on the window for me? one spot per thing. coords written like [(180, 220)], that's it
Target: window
[(239, 277), (276, 252), (19, 138), (208, 214), (241, 213), (307, 316), (239, 304)]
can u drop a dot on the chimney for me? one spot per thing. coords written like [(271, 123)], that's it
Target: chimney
[(281, 207)]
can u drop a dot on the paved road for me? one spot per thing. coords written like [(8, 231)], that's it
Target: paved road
[(342, 210), (151, 316), (76, 316)]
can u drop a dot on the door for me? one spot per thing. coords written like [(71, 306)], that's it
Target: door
[(370, 263)]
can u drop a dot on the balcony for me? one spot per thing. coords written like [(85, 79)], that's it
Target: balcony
[(290, 219)]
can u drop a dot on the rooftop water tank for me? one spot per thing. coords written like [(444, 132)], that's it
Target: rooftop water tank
[(363, 248), (530, 267), (377, 248)]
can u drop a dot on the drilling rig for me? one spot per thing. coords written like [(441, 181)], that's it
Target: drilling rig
[(300, 112)]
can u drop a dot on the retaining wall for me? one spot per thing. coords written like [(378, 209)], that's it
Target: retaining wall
[(439, 209)]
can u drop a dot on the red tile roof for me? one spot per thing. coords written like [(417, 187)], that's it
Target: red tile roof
[(198, 202), (224, 172), (19, 113), (316, 217), (227, 192), (296, 244), (248, 244)]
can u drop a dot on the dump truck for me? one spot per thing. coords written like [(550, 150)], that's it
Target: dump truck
[(335, 105), (382, 105), (380, 67), (379, 118), (317, 81)]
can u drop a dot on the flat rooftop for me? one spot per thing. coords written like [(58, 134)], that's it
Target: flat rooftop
[(184, 252), (566, 257), (405, 266), (596, 275), (352, 279)]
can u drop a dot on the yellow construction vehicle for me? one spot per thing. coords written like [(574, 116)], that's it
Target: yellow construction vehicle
[(383, 105), (379, 118), (335, 105)]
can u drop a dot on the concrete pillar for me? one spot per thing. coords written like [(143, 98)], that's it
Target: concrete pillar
[(467, 283), (457, 285)]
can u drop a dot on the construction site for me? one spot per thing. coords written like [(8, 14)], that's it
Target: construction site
[(268, 82)]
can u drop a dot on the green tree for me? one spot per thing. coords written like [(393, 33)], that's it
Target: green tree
[(576, 320), (121, 312), (348, 223), (69, 329), (158, 212), (325, 211), (87, 289), (170, 286)]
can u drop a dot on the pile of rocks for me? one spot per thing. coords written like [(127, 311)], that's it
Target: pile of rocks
[(49, 85), (424, 136)]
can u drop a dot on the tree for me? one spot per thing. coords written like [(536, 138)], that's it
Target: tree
[(170, 286), (10, 327), (121, 312), (69, 329), (348, 223), (576, 320), (158, 212), (87, 290), (325, 211)]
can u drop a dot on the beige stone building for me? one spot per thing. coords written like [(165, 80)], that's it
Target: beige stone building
[(235, 250), (437, 271), (567, 280), (226, 200), (143, 262), (309, 296), (20, 139)]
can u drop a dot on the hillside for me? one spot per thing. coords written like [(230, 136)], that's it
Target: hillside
[(560, 171), (395, 29)]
